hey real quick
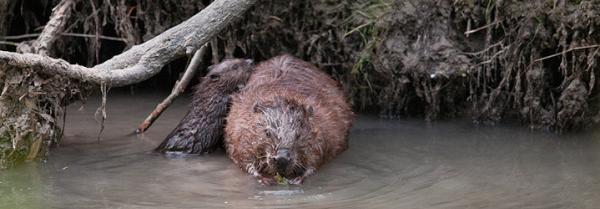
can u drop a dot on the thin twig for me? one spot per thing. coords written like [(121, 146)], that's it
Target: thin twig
[(31, 35), (94, 36), (34, 35), (481, 28), (102, 109), (566, 51), (499, 43), (214, 44), (97, 32), (491, 59), (179, 87), (9, 43)]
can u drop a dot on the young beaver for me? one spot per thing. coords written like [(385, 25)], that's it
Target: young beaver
[(288, 120), (201, 130)]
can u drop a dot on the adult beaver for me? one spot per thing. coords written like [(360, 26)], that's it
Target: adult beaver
[(288, 120), (201, 130)]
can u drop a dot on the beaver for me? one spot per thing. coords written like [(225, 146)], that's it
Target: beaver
[(287, 121), (201, 130)]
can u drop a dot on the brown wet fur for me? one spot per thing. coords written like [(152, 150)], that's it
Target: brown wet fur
[(288, 103), (201, 130)]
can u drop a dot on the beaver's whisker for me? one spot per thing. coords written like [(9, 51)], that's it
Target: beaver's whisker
[(260, 157), (298, 164)]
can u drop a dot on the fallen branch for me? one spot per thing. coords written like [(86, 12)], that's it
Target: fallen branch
[(145, 60), (179, 87), (53, 28)]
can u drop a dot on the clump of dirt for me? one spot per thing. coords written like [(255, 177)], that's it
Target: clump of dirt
[(421, 61)]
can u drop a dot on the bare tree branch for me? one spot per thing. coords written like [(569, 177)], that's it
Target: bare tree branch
[(34, 35), (52, 30), (145, 60), (179, 87)]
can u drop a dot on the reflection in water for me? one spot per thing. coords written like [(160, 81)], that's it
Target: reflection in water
[(390, 164)]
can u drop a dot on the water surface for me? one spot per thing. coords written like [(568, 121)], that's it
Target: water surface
[(390, 164)]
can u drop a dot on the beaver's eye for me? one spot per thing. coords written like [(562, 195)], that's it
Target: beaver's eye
[(213, 76), (268, 134)]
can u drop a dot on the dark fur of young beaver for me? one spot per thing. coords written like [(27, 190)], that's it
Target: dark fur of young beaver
[(201, 130), (288, 120)]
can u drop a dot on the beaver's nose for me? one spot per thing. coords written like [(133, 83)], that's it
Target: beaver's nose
[(282, 159)]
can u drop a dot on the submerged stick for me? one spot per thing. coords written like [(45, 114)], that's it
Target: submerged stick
[(179, 87)]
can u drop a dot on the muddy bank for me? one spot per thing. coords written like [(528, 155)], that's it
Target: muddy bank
[(535, 61)]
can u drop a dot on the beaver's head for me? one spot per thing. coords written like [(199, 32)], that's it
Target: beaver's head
[(287, 134), (230, 73)]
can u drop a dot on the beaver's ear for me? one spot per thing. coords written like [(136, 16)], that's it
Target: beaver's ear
[(309, 111), (263, 106), (214, 76), (258, 108), (249, 61)]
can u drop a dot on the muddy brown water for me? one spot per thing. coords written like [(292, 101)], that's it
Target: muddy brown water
[(390, 164)]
